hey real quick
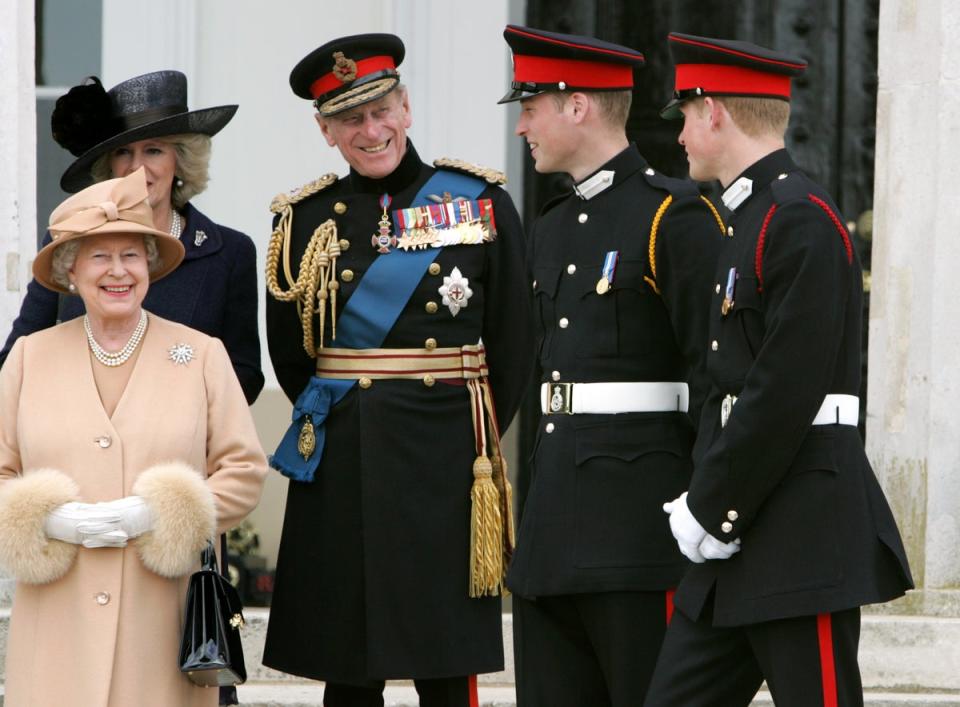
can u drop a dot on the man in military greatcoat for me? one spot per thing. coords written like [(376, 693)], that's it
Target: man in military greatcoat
[(398, 325), (620, 268), (780, 466)]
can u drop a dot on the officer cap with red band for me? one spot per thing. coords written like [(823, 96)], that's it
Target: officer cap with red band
[(724, 67), (348, 72), (549, 61)]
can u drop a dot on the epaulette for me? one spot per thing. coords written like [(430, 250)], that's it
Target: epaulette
[(492, 176), (789, 187), (678, 188), (280, 201)]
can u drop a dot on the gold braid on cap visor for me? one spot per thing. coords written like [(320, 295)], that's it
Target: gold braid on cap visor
[(358, 96)]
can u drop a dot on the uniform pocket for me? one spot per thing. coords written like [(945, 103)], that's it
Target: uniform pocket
[(545, 283), (794, 543), (626, 467), (614, 318)]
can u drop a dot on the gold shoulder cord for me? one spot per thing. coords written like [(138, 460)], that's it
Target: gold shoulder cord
[(316, 280), (655, 227)]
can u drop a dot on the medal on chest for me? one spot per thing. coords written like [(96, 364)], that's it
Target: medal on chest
[(384, 240), (455, 291), (608, 271), (727, 303)]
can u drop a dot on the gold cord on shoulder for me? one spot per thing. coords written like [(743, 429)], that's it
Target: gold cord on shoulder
[(716, 214), (316, 282), (652, 253)]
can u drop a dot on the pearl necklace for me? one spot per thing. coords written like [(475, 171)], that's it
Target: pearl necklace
[(116, 358), (175, 224)]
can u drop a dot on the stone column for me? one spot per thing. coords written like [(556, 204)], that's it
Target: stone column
[(18, 151), (913, 425)]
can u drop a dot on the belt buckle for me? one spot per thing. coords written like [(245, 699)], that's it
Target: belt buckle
[(561, 398), (726, 407)]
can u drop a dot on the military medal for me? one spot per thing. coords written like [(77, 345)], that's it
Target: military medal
[(609, 269), (450, 222), (727, 303), (455, 291), (383, 241)]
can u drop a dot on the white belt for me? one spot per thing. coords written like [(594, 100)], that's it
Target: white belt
[(837, 409), (613, 398)]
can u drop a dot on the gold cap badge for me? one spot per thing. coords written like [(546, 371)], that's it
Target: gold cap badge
[(344, 69)]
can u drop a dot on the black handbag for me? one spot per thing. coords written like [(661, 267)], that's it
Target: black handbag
[(210, 650)]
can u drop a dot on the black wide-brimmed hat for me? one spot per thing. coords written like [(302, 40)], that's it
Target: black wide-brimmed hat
[(706, 66), (550, 61), (348, 72), (90, 122)]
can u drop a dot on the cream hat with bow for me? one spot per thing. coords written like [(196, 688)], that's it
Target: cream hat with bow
[(117, 206)]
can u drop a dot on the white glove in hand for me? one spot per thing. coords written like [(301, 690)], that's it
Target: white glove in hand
[(685, 528), (85, 524), (713, 549), (135, 516)]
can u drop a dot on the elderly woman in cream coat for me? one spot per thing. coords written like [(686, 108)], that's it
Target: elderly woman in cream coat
[(125, 444)]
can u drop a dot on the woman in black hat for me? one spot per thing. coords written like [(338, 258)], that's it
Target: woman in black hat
[(144, 121)]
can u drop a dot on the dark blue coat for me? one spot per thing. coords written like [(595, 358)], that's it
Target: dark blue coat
[(214, 290)]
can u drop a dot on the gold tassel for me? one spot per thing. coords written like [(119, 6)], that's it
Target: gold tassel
[(505, 490), (486, 532)]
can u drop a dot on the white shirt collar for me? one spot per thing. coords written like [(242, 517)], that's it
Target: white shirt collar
[(589, 188), (737, 193)]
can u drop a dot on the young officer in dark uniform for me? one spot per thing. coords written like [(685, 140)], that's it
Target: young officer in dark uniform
[(382, 284), (780, 465), (621, 269)]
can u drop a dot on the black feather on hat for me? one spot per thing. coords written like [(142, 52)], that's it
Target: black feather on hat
[(81, 117)]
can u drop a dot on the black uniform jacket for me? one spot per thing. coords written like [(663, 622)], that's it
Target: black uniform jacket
[(817, 533), (213, 290), (592, 519), (372, 574)]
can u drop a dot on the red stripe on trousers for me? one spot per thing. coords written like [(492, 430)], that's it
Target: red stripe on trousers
[(669, 594), (828, 670), (472, 690)]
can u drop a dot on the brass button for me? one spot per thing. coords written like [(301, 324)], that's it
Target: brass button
[(550, 428), (347, 276), (344, 245), (730, 231), (649, 171), (103, 442), (428, 380), (365, 382), (782, 175), (726, 527), (431, 307), (430, 344), (714, 345), (732, 515), (571, 269), (582, 218), (340, 207), (534, 284), (555, 375), (102, 598), (717, 288), (434, 268), (564, 322)]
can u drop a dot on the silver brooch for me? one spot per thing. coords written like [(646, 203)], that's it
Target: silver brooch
[(198, 238), (455, 291), (181, 354)]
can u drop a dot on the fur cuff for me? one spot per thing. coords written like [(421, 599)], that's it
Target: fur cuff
[(25, 550), (184, 518)]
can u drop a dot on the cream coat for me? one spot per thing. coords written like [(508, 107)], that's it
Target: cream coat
[(66, 649)]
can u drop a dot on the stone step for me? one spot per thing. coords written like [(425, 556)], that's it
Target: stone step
[(399, 695), (898, 654)]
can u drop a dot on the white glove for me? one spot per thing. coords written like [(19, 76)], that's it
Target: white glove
[(685, 528), (85, 524), (713, 549), (135, 516)]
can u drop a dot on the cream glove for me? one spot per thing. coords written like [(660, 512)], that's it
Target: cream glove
[(85, 524)]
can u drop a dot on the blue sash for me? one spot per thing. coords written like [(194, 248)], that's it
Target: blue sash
[(364, 323)]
